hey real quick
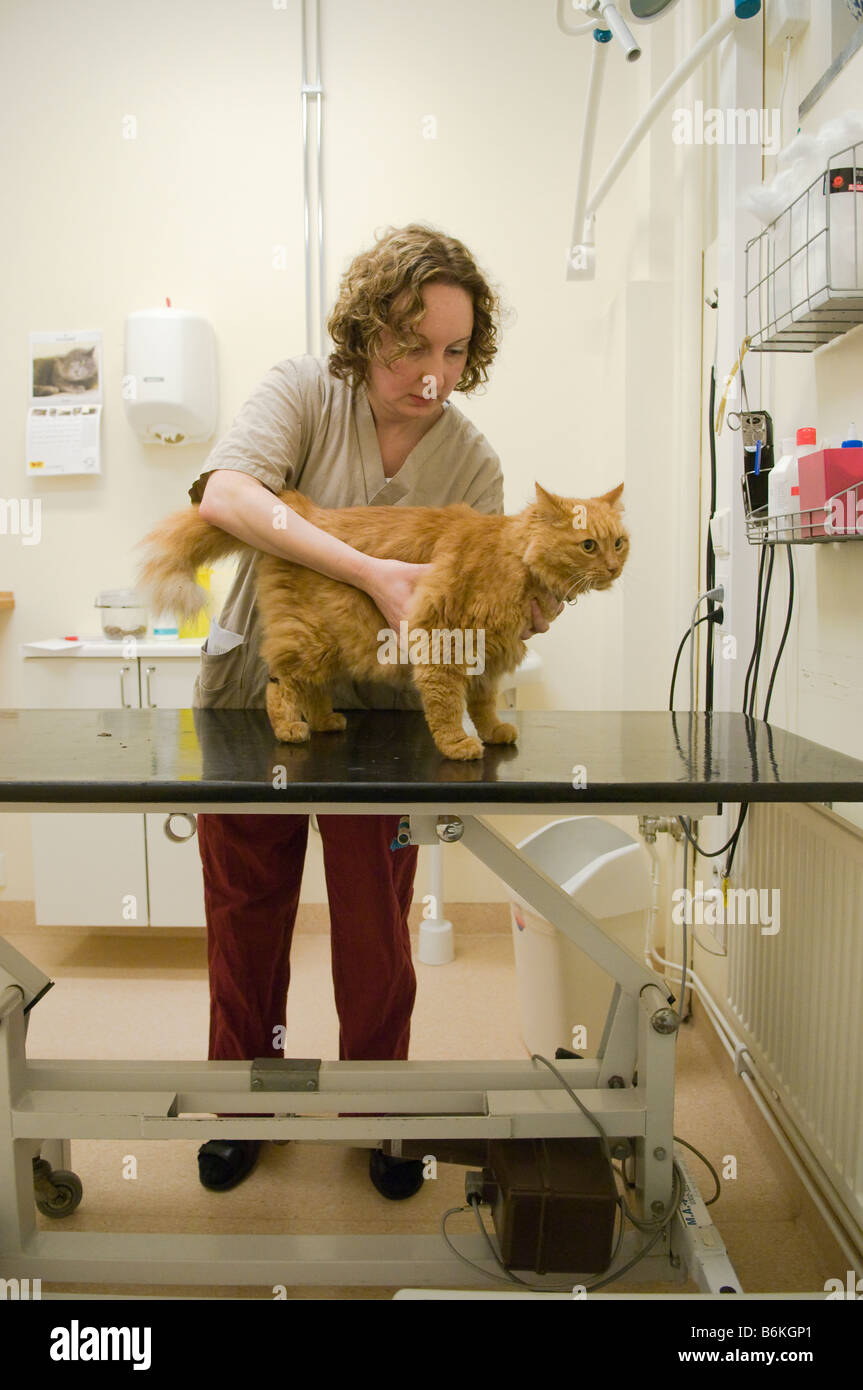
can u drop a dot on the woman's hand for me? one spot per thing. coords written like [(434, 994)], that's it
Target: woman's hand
[(537, 621), (391, 586)]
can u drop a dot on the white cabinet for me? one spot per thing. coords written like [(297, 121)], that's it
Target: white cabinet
[(114, 870), (70, 682), (174, 877)]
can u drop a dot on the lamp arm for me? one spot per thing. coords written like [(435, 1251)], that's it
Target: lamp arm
[(580, 28), (673, 83)]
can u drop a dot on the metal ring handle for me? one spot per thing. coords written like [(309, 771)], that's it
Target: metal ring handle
[(172, 834)]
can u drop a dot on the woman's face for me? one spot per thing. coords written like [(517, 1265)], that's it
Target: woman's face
[(413, 387)]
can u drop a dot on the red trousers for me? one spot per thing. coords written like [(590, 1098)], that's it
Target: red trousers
[(253, 868)]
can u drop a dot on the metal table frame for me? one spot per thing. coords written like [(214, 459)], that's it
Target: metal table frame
[(44, 1104)]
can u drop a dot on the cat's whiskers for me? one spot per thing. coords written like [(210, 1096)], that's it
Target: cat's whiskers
[(582, 585)]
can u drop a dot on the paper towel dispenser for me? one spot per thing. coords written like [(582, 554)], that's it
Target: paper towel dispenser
[(169, 381)]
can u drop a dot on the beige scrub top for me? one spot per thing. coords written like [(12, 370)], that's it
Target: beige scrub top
[(303, 428)]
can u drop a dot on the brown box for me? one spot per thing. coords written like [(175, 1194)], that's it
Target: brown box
[(555, 1205)]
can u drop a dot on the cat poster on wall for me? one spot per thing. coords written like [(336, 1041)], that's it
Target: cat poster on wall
[(65, 413)]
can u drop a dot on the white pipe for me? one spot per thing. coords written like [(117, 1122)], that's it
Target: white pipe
[(737, 1050), (305, 111), (714, 35), (582, 235), (319, 185), (313, 90), (621, 31), (435, 863)]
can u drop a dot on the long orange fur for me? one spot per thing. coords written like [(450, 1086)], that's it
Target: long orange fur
[(484, 571)]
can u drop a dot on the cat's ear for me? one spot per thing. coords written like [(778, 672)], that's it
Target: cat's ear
[(613, 497), (552, 506)]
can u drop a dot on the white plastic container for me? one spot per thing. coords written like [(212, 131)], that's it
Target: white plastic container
[(783, 488), (607, 873), (122, 613), (783, 493), (812, 239), (169, 383), (846, 226), (165, 628)]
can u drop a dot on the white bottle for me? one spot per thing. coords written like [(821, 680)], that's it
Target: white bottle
[(782, 477), (165, 628), (806, 444), (783, 488)]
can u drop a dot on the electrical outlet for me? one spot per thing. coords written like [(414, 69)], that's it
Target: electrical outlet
[(784, 20), (725, 602), (720, 532)]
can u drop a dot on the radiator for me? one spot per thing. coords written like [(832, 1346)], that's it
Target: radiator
[(796, 997)]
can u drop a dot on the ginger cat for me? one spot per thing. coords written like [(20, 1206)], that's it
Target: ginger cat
[(463, 631)]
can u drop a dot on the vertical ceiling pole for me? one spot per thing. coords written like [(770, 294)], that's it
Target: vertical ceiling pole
[(739, 164), (312, 187)]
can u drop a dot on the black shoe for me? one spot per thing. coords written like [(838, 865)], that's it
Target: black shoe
[(395, 1178), (223, 1163)]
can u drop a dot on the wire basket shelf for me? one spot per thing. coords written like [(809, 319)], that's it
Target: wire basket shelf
[(840, 519), (804, 271)]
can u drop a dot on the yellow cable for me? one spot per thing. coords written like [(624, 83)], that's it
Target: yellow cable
[(738, 367)]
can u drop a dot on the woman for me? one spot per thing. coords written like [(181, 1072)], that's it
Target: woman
[(414, 321)]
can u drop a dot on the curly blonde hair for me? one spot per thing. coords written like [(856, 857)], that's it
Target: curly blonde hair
[(405, 259)]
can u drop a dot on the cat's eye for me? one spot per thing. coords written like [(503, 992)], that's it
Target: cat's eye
[(589, 545), (618, 544)]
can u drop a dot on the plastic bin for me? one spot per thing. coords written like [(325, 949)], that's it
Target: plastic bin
[(607, 873)]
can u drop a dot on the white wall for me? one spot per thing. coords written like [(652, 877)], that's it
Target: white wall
[(594, 382), (819, 688), (819, 692)]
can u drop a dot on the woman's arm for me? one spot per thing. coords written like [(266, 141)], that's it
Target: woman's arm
[(239, 504)]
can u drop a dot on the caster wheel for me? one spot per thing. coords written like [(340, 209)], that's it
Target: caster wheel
[(66, 1197)]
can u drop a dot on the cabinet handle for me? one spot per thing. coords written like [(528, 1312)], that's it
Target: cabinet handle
[(148, 671), (171, 832), (124, 704)]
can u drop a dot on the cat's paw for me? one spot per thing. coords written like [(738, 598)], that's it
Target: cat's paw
[(502, 733), (461, 747), (291, 731), (328, 723)]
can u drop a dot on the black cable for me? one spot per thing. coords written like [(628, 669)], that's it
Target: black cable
[(760, 633), (708, 617), (711, 554), (736, 836), (761, 566), (744, 808), (784, 634), (749, 694), (707, 1163), (714, 853)]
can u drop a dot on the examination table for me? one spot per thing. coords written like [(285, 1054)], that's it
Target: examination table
[(615, 762)]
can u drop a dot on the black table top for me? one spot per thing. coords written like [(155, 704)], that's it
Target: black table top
[(197, 756)]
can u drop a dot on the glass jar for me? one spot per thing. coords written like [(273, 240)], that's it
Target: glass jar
[(123, 614)]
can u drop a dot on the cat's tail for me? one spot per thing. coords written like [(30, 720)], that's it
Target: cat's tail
[(173, 553)]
